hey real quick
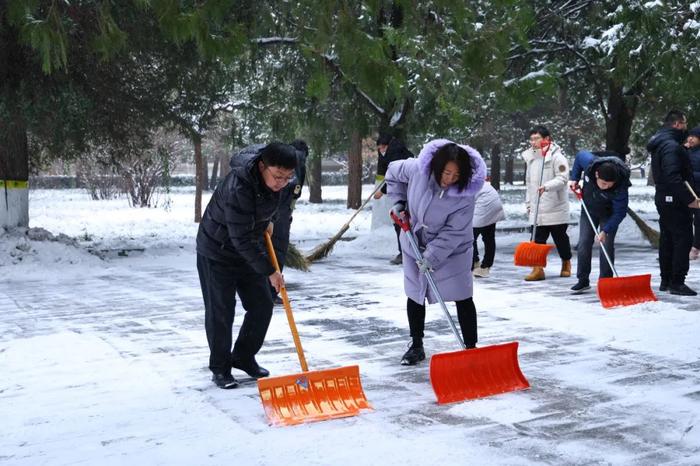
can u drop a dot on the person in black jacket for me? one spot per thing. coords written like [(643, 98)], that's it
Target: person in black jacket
[(389, 149), (670, 167), (693, 145), (606, 182), (231, 256)]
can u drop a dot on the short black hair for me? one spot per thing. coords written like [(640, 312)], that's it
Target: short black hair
[(541, 130), (606, 171), (300, 145), (452, 153), (384, 139), (277, 154), (674, 116)]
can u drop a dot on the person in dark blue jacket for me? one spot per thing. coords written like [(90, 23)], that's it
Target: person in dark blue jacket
[(670, 167), (606, 180), (693, 145), (232, 258)]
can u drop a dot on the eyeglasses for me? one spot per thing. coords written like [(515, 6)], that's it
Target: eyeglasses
[(280, 178)]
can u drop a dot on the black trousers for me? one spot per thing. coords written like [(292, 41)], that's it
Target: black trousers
[(466, 314), (220, 282), (488, 235), (675, 241), (561, 239), (584, 251), (696, 224)]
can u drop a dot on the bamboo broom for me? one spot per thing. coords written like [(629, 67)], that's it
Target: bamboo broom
[(322, 250)]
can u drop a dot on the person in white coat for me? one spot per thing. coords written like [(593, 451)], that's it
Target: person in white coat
[(549, 184), (488, 211)]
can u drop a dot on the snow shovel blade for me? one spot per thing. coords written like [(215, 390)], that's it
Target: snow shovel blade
[(313, 396), (476, 373), (625, 291), (531, 254)]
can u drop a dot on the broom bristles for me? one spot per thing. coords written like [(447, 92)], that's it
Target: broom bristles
[(322, 250), (649, 233), (295, 259)]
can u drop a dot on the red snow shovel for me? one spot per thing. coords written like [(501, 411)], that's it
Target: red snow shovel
[(617, 290), (310, 395), (531, 254), (468, 374)]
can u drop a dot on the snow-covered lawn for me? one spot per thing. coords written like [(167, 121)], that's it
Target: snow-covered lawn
[(103, 355)]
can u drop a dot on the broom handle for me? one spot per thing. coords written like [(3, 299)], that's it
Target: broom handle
[(287, 305), (537, 203), (595, 229), (403, 223), (379, 186), (690, 188)]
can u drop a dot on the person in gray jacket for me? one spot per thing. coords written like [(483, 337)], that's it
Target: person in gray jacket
[(487, 212)]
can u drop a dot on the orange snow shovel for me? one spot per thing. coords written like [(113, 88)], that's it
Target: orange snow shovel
[(617, 290), (310, 395), (531, 254), (468, 373)]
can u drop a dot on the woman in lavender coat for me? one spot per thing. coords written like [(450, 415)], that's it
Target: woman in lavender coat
[(438, 189)]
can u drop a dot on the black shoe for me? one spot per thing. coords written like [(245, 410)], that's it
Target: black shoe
[(250, 367), (413, 356), (682, 290), (398, 260), (580, 287), (663, 286), (224, 381), (469, 345)]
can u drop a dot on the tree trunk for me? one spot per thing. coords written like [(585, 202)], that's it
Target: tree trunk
[(314, 179), (496, 166), (510, 169), (205, 172), (225, 167), (14, 171), (618, 122), (355, 171), (199, 177), (214, 173)]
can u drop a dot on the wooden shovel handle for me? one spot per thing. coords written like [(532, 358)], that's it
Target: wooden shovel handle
[(287, 305), (690, 188)]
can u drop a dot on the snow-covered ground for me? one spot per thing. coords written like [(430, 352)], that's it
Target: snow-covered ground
[(103, 354)]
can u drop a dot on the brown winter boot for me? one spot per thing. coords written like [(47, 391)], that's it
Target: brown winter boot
[(565, 269), (537, 274)]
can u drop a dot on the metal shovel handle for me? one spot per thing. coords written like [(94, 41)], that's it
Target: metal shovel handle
[(579, 194), (404, 223), (537, 202)]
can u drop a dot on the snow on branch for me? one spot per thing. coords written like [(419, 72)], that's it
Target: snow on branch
[(274, 40)]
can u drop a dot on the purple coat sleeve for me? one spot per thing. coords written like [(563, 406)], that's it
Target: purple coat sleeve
[(397, 176)]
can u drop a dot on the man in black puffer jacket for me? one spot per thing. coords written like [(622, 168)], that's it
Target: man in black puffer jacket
[(605, 193), (670, 167), (231, 256)]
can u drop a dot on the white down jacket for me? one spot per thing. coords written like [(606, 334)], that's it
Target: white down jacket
[(554, 202), (488, 209)]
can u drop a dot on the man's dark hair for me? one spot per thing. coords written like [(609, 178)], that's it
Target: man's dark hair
[(674, 116), (300, 145), (541, 130), (606, 171), (384, 139), (452, 153), (277, 154)]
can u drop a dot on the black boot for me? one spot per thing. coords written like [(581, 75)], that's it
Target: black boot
[(682, 290), (224, 381), (413, 356), (580, 287), (249, 366), (663, 286)]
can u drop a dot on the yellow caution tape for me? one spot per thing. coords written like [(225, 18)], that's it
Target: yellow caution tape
[(13, 184)]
